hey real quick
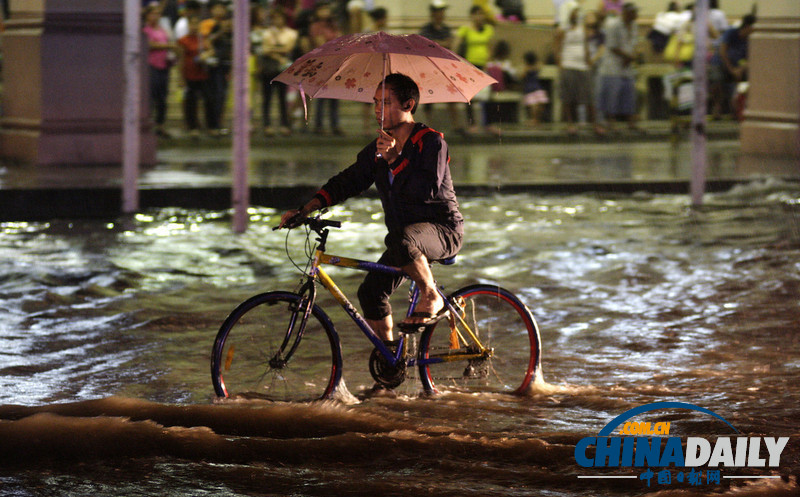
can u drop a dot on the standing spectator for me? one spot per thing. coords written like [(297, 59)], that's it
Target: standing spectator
[(218, 12), (680, 49), (159, 48), (534, 95), (437, 30), (355, 14), (194, 78), (717, 17), (617, 97), (665, 25), (277, 43), (564, 9), (488, 10), (476, 39), (221, 42), (322, 30), (259, 21), (557, 11), (290, 8), (573, 60), (503, 71), (596, 43), (512, 10), (609, 8), (191, 8), (380, 19), (729, 64)]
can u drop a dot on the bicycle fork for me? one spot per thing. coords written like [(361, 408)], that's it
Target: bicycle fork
[(294, 330)]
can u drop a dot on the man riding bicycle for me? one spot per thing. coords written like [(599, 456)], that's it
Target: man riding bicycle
[(409, 165)]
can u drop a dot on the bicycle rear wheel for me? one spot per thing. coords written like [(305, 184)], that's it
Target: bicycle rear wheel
[(508, 361), (259, 352)]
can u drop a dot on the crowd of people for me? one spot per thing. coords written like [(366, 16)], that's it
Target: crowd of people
[(596, 48)]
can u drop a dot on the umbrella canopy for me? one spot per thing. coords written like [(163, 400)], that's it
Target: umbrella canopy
[(351, 67)]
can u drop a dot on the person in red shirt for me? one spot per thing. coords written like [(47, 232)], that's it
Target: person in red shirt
[(194, 78), (322, 30)]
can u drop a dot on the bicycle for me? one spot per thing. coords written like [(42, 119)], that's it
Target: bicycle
[(282, 346)]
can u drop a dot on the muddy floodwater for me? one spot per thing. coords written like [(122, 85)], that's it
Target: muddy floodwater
[(106, 330)]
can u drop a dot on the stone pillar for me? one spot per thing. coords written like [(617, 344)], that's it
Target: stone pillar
[(63, 84), (772, 120)]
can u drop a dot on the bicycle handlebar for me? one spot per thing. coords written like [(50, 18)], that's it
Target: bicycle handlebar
[(315, 223)]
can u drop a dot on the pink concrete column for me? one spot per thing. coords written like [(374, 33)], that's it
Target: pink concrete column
[(772, 119), (64, 84)]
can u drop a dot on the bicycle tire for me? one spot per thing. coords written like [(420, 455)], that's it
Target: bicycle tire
[(245, 362), (503, 323)]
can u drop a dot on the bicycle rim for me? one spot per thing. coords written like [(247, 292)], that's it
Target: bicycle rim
[(505, 328), (256, 354)]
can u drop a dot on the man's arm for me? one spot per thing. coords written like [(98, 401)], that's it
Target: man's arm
[(724, 56), (348, 183), (614, 45), (435, 161)]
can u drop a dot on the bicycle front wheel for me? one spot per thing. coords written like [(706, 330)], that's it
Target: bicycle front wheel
[(264, 351), (493, 346)]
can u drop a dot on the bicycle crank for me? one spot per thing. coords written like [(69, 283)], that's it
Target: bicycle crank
[(384, 373)]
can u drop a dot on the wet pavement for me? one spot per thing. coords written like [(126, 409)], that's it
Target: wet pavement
[(197, 173)]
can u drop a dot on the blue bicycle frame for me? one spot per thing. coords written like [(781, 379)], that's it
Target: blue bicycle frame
[(317, 272)]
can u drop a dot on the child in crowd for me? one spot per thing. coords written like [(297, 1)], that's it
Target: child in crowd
[(534, 95), (500, 68)]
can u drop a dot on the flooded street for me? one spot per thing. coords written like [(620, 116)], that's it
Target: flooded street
[(106, 330)]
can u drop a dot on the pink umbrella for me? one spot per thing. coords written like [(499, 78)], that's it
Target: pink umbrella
[(351, 67)]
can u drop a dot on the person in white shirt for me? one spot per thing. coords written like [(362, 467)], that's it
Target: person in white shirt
[(572, 57), (665, 25), (717, 17), (181, 28)]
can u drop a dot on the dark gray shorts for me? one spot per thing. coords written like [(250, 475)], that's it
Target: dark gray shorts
[(434, 241)]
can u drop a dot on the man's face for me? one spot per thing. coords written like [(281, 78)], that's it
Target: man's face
[(386, 103)]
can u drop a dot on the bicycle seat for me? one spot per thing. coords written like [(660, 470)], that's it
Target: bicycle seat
[(446, 262)]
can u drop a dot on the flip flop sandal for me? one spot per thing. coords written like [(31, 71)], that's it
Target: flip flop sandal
[(430, 320)]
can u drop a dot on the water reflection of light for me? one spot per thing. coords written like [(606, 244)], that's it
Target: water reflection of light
[(624, 289)]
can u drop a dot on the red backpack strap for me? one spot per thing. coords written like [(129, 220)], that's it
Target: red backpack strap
[(417, 138)]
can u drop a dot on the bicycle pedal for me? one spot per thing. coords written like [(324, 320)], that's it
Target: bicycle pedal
[(411, 328), (392, 344)]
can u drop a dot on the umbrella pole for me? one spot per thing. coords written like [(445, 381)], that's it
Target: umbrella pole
[(383, 99), (383, 89)]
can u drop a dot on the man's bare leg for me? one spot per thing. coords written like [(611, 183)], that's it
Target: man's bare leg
[(382, 327), (429, 299)]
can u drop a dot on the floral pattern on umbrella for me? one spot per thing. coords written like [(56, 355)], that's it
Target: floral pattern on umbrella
[(351, 67)]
